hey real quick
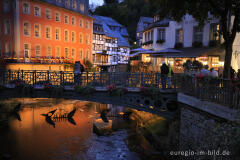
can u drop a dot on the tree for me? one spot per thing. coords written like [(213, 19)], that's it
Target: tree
[(228, 12)]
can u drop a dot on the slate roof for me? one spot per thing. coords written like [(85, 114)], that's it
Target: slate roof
[(162, 23), (146, 19), (106, 22), (140, 27)]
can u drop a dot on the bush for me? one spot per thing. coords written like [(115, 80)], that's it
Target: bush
[(150, 91), (116, 91)]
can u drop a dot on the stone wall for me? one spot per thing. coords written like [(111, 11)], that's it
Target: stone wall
[(205, 134)]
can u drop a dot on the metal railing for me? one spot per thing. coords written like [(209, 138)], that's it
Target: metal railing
[(220, 91)]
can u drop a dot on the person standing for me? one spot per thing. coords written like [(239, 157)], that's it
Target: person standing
[(77, 72), (164, 73), (213, 73), (169, 77)]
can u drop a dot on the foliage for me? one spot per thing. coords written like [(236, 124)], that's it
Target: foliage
[(85, 90), (148, 42), (197, 44), (160, 41), (116, 91), (178, 45), (150, 91)]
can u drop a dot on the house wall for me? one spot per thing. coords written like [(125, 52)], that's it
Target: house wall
[(236, 53)]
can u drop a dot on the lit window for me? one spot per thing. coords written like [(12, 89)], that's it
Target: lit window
[(66, 19), (73, 52), (57, 33), (58, 51), (48, 14), (49, 51), (80, 53), (179, 36), (38, 51), (26, 8), (26, 28), (37, 11), (197, 34), (48, 32), (57, 17), (7, 49), (73, 21), (87, 54), (66, 35), (74, 4), (6, 6), (7, 30), (66, 52), (81, 23), (67, 3), (87, 39), (82, 7), (73, 37), (80, 38), (37, 30), (27, 50), (87, 24)]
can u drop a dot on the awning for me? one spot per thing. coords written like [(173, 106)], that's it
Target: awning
[(139, 50)]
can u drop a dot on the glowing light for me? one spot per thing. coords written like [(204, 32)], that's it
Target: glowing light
[(151, 107), (205, 62), (121, 113), (221, 63)]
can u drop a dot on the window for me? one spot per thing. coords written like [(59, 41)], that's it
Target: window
[(7, 49), (26, 29), (80, 23), (37, 30), (80, 53), (74, 4), (26, 8), (57, 17), (58, 51), (66, 35), (67, 3), (66, 52), (48, 14), (80, 38), (73, 53), (6, 6), (87, 39), (197, 34), (82, 7), (87, 24), (87, 54), (48, 32), (66, 19), (179, 36), (59, 1), (73, 37), (27, 50), (57, 34), (214, 32), (37, 11), (161, 34), (38, 51), (7, 30), (73, 21), (49, 51)]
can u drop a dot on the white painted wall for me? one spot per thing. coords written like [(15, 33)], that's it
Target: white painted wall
[(236, 53)]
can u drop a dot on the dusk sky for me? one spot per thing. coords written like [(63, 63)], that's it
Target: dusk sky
[(99, 2)]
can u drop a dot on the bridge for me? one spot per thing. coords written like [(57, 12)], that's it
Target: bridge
[(142, 91)]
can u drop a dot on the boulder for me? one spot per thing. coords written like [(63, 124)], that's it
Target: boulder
[(102, 128)]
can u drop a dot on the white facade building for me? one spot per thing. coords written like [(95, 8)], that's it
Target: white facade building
[(110, 43)]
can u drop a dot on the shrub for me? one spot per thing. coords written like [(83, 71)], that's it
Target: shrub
[(116, 91)]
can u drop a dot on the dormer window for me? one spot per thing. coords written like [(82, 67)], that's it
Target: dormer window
[(74, 4), (67, 3), (82, 7)]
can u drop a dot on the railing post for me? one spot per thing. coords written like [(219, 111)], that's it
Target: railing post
[(48, 77), (87, 77), (34, 77), (61, 78), (18, 75), (22, 75)]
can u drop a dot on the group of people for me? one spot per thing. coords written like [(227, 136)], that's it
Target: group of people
[(166, 75), (206, 72)]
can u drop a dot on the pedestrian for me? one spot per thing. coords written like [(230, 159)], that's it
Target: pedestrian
[(164, 73), (169, 77), (213, 73), (77, 72), (238, 74), (205, 71)]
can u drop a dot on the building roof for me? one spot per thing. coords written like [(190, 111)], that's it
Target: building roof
[(162, 23), (146, 19), (106, 22)]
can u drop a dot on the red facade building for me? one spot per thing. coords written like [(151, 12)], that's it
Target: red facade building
[(45, 31)]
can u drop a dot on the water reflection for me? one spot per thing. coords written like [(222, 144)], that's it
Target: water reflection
[(42, 134)]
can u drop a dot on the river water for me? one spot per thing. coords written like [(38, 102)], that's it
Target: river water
[(34, 137)]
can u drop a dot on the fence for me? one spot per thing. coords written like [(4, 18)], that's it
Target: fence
[(124, 79), (220, 91)]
